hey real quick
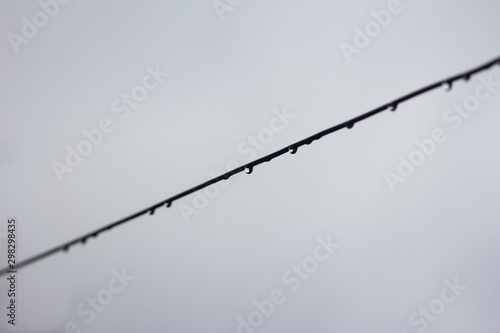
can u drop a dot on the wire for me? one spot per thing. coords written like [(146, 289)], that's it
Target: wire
[(392, 106)]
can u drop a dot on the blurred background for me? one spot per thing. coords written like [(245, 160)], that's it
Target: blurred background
[(110, 107)]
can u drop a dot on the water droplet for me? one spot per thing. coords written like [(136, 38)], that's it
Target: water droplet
[(467, 77), (349, 124), (168, 204), (450, 85), (151, 211), (393, 107), (292, 149), (84, 240), (65, 249), (248, 169)]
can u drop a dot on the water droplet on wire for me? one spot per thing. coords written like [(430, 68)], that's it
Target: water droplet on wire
[(292, 149), (393, 107), (248, 169), (349, 124), (450, 85)]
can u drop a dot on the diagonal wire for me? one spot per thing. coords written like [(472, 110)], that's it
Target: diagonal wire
[(249, 166)]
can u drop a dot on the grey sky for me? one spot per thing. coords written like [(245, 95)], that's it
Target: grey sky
[(226, 81)]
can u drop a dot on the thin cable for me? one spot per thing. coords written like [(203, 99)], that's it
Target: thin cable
[(392, 106)]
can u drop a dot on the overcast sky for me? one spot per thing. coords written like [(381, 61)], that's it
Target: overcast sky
[(110, 107)]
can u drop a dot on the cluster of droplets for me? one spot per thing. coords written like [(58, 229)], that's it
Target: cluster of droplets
[(291, 149)]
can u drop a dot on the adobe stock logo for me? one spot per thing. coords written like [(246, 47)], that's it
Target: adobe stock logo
[(425, 315), (293, 279), (249, 147), (363, 37), (95, 136), (223, 6), (455, 117), (30, 28), (93, 305)]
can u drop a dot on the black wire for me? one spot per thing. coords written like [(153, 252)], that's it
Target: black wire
[(392, 106)]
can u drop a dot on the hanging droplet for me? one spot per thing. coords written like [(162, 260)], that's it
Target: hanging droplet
[(467, 77), (450, 85), (84, 240), (393, 107), (168, 204), (151, 211), (248, 169), (292, 149), (349, 124), (65, 249)]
